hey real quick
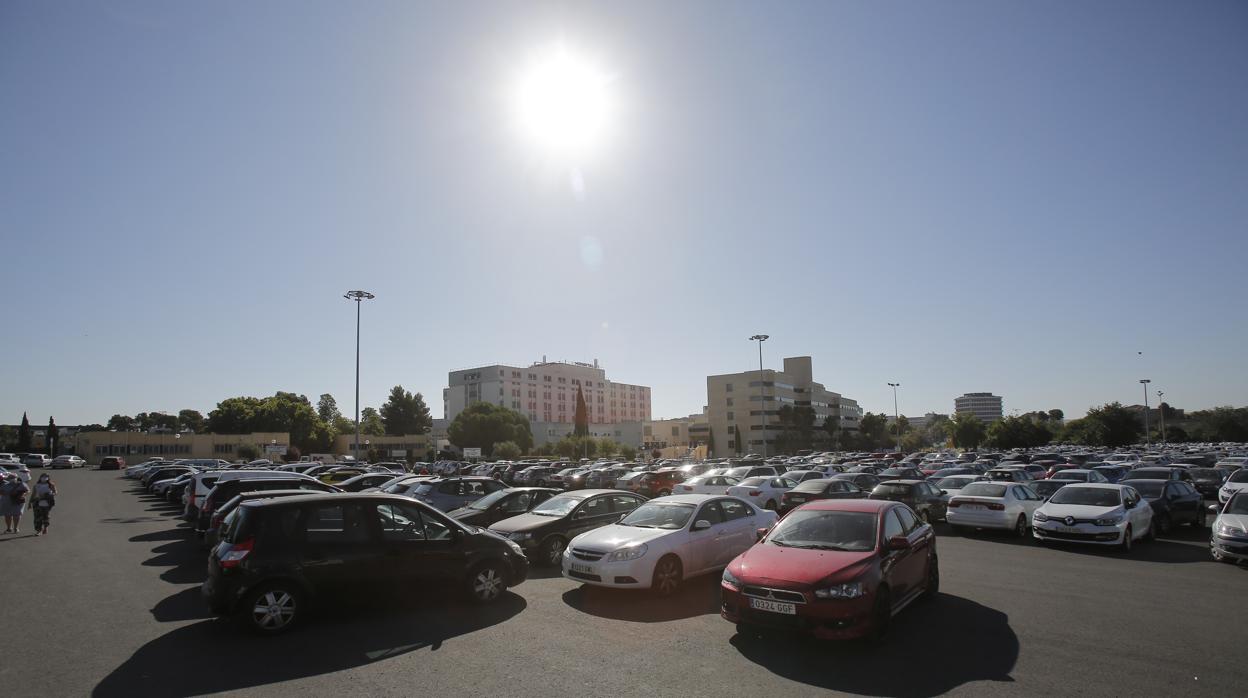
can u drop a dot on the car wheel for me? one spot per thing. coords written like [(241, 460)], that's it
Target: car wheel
[(664, 493), (1125, 546), (487, 582), (881, 615), (552, 550), (1162, 524), (541, 483), (666, 576), (923, 516), (932, 587), (770, 505), (273, 608), (1020, 526)]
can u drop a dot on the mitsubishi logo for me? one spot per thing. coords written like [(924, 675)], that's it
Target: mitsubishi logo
[(771, 594), (1070, 521)]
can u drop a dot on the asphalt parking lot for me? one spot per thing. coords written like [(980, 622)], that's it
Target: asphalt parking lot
[(108, 605)]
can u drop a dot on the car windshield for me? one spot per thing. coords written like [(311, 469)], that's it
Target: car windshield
[(954, 482), (826, 530), (1087, 496), (556, 506), (1206, 473), (889, 488), (396, 487), (655, 515), (1237, 505), (1070, 476), (1239, 476), (811, 486), (424, 488), (1047, 487), (983, 489), (488, 500), (1149, 488), (753, 482), (738, 472)]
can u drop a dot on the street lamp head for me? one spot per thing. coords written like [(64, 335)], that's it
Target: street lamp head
[(1145, 381), (895, 385), (759, 338), (358, 296)]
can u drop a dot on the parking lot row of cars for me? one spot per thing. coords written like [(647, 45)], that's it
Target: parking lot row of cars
[(828, 544)]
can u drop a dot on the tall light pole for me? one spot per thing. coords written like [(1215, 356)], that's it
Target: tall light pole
[(359, 297), (762, 391), (896, 415), (1162, 411), (1147, 441)]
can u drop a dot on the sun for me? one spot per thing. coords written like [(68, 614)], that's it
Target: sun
[(562, 103)]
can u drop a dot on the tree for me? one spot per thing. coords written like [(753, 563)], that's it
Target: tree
[(405, 413), (1113, 425), (293, 454), (832, 427), (120, 422), (235, 415), (53, 437), (1019, 432), (581, 417), (710, 442), (506, 450), (248, 452), (482, 425), (873, 431), (23, 434), (1056, 415), (1219, 424), (967, 431), (191, 420), (628, 453), (342, 426), (327, 408), (370, 422), (736, 428)]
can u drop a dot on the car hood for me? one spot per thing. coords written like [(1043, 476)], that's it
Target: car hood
[(767, 564), (1239, 521), (465, 515), (523, 522), (1079, 511), (615, 536)]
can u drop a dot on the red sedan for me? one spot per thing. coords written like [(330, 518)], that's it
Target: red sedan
[(835, 568)]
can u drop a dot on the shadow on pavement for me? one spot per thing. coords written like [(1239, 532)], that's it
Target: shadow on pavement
[(187, 604), (934, 646), (336, 639), (137, 519), (696, 597), (1164, 551)]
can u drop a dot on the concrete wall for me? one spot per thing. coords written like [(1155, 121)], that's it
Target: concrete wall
[(137, 446)]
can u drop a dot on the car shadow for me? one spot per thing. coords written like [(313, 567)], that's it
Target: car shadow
[(187, 604), (1160, 550), (975, 643), (696, 597), (187, 563), (336, 639), (160, 536)]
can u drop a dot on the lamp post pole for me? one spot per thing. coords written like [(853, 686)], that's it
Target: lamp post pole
[(762, 390), (1162, 411), (896, 415), (359, 297), (1147, 439)]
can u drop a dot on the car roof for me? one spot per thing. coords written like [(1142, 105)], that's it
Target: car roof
[(689, 498), (316, 497), (1099, 485), (903, 482), (582, 494)]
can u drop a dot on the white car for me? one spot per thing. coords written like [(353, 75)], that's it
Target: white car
[(70, 462), (1228, 462), (1001, 505), (1229, 542), (952, 485), (1127, 459), (762, 492), (1236, 482), (1081, 475), (706, 484), (665, 541), (1096, 513)]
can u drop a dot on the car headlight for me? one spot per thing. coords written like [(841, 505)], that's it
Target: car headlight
[(519, 535), (729, 578), (1110, 520), (515, 548), (840, 591), (1040, 516), (1229, 532), (632, 552)]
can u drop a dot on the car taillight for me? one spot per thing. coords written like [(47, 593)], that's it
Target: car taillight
[(995, 506), (686, 488), (191, 500), (954, 505), (755, 493), (237, 552)]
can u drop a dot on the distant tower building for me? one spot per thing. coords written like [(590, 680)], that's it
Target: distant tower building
[(986, 406)]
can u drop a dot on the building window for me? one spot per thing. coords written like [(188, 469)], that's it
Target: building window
[(730, 402), (731, 415), (728, 387)]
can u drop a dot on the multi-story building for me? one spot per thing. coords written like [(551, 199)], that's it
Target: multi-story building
[(686, 432), (986, 406), (545, 392), (141, 445), (748, 404)]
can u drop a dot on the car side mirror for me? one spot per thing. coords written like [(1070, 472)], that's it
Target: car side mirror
[(761, 533), (701, 525), (898, 543), (1213, 508), (578, 515)]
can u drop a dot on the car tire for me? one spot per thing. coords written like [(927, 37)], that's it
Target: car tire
[(770, 505), (664, 493), (1020, 527), (667, 576), (272, 608), (881, 616), (486, 582), (1125, 546), (552, 550), (932, 587), (1162, 524)]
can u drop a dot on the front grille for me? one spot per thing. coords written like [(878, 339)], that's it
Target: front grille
[(774, 594), (1060, 535), (585, 577), (587, 555)]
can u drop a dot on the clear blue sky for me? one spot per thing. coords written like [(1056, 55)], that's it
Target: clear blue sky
[(962, 196)]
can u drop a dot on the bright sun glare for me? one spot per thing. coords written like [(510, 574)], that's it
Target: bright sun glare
[(562, 103)]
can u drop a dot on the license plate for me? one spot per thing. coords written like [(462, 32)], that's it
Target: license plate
[(797, 499), (583, 569), (1067, 529), (773, 606), (973, 507)]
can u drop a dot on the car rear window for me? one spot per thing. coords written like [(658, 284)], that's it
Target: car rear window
[(983, 489), (892, 488), (811, 486)]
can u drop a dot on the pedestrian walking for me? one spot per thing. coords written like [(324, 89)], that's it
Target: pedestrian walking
[(12, 502), (43, 498)]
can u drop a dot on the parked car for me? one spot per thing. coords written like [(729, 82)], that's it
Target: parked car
[(278, 556), (747, 471), (71, 462), (665, 541), (1080, 475), (800, 476), (1173, 502), (1000, 505), (865, 481), (1160, 472), (212, 535), (921, 496), (1008, 475), (762, 492), (227, 488), (707, 484), (544, 532), (951, 485), (835, 568), (1208, 481), (1112, 473), (813, 490), (1236, 482), (1229, 542), (450, 493), (364, 481), (656, 484), (1046, 488), (1098, 514), (502, 504), (901, 474), (36, 460), (203, 482)]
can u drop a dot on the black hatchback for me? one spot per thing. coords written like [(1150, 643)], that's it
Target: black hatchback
[(279, 556), (502, 504)]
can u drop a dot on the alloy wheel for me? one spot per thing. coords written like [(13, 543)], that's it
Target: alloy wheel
[(666, 576), (1020, 527), (554, 550), (487, 584), (274, 610)]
